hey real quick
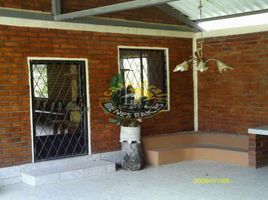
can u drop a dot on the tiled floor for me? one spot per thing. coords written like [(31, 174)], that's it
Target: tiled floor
[(169, 182)]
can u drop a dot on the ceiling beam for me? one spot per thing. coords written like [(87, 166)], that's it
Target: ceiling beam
[(233, 15), (25, 14), (180, 17), (11, 13), (133, 24), (56, 7), (111, 8)]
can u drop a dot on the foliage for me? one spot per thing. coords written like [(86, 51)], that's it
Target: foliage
[(126, 122), (126, 107), (116, 86)]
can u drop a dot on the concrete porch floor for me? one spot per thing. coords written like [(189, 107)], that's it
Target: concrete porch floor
[(168, 182)]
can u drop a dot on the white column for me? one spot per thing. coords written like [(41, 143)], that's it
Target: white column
[(195, 84)]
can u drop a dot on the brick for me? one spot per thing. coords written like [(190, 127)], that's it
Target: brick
[(103, 63), (236, 100)]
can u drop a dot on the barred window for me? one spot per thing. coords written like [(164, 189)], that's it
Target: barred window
[(142, 68), (40, 81)]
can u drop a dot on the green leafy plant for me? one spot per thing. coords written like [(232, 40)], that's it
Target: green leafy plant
[(116, 87), (127, 109)]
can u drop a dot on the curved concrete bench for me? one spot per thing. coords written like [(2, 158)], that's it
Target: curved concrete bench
[(171, 148)]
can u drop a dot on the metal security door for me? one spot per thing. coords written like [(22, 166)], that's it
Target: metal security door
[(59, 107)]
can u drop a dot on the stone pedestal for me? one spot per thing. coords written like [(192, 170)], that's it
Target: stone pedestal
[(131, 156)]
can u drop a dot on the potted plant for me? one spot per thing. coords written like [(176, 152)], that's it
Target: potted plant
[(128, 111)]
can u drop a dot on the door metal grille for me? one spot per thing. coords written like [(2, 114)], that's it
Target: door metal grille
[(59, 107)]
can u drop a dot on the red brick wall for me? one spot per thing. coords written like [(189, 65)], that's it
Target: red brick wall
[(261, 151), (40, 5), (148, 14), (101, 50), (237, 100), (258, 150)]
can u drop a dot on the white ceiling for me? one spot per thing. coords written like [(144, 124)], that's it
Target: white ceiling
[(217, 8)]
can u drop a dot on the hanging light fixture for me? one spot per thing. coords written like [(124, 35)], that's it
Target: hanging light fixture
[(183, 66), (199, 57)]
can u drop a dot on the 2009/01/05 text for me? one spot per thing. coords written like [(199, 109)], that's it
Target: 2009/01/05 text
[(212, 180)]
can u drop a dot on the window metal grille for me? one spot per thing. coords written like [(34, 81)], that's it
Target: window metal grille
[(40, 81), (142, 68)]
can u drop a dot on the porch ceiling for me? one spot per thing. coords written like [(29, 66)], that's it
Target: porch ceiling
[(219, 8), (187, 11)]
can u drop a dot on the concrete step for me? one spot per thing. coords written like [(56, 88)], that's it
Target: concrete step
[(39, 176)]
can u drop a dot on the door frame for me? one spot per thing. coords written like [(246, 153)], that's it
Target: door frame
[(85, 60)]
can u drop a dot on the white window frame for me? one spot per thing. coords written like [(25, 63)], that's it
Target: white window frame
[(167, 66)]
